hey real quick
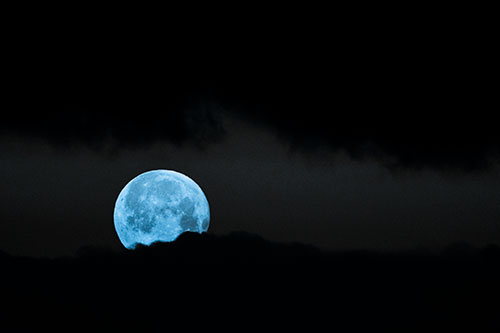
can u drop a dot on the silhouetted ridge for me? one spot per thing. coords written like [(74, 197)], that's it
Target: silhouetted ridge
[(238, 279), (234, 248)]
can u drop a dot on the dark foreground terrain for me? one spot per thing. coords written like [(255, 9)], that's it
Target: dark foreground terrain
[(241, 282)]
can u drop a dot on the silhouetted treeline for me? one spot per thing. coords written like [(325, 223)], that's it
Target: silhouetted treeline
[(241, 281)]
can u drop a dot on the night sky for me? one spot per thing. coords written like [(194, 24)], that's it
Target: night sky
[(350, 158), (359, 138)]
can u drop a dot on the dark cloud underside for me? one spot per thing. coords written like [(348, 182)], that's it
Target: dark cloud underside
[(415, 98)]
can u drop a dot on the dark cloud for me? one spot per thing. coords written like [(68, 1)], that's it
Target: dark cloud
[(413, 97), (94, 114)]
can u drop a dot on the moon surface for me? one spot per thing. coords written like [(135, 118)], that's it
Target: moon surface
[(159, 205)]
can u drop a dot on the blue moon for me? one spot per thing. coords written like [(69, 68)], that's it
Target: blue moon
[(159, 205)]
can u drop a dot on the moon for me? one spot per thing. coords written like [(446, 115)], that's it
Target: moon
[(158, 206)]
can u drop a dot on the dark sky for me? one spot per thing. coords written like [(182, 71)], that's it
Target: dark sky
[(344, 137)]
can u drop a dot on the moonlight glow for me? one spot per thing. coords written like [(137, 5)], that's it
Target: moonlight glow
[(159, 205)]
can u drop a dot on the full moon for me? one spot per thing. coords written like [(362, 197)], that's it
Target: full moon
[(159, 205)]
